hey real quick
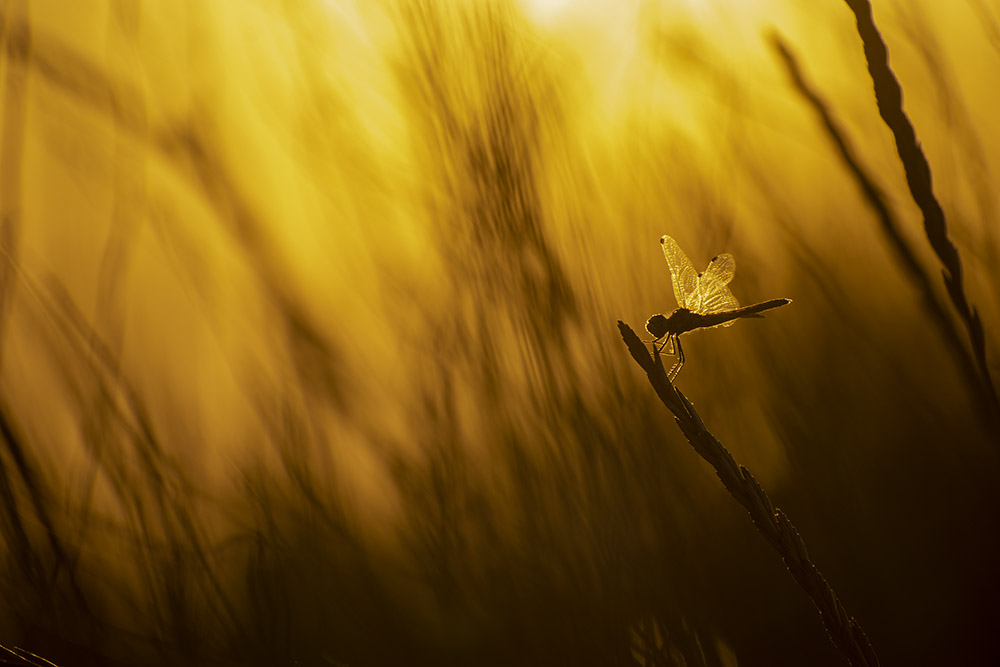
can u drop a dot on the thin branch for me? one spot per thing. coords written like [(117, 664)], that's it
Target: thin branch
[(844, 630)]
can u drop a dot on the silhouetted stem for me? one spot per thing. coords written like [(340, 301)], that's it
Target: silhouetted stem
[(967, 364), (889, 97), (772, 523)]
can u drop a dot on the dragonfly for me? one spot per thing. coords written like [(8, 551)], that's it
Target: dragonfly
[(703, 299)]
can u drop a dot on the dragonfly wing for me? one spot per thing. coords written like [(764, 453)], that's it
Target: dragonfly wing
[(713, 291), (720, 301), (682, 272), (720, 271)]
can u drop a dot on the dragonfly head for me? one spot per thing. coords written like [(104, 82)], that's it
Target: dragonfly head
[(657, 326)]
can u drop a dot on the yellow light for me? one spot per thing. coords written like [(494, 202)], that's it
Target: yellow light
[(544, 10)]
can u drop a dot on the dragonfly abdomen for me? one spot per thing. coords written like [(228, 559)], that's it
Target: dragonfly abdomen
[(701, 321), (684, 320)]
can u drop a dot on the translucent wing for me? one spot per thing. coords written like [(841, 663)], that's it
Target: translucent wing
[(720, 271), (682, 273), (721, 302), (713, 294)]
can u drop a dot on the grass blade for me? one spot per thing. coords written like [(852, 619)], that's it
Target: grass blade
[(889, 98), (844, 630)]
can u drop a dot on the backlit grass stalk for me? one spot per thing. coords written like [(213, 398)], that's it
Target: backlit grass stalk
[(891, 230), (889, 98), (22, 657), (772, 523)]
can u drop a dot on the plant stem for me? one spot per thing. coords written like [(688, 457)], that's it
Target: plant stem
[(844, 630), (889, 98)]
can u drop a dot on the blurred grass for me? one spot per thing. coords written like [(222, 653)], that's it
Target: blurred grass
[(309, 356)]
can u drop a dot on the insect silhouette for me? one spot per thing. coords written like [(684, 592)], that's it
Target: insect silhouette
[(703, 299)]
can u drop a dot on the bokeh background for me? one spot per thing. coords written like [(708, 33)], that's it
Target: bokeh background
[(309, 351)]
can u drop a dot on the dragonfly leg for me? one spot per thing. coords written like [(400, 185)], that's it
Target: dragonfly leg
[(675, 348), (661, 345)]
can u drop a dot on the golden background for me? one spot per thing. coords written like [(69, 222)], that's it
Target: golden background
[(309, 351)]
